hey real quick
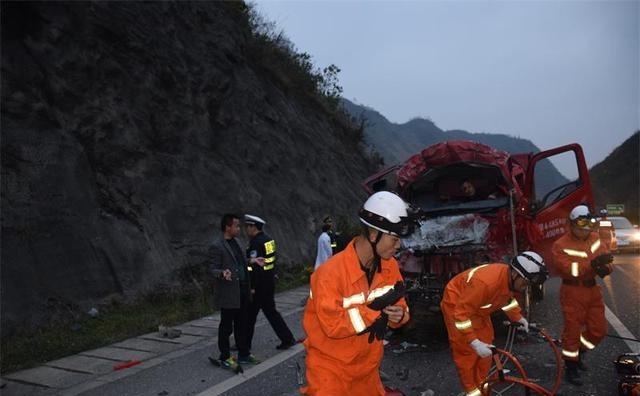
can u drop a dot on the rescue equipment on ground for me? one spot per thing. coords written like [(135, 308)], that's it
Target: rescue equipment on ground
[(501, 376), (628, 369)]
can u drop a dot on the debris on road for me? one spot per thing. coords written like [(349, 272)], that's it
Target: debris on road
[(169, 332), (406, 347), (299, 374), (126, 364)]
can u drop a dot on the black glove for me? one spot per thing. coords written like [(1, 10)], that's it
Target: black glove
[(389, 298), (606, 258), (602, 264), (377, 328)]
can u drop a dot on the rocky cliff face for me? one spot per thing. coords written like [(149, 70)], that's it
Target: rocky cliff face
[(129, 128)]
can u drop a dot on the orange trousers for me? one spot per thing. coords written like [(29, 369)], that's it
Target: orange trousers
[(472, 370), (333, 381), (583, 311)]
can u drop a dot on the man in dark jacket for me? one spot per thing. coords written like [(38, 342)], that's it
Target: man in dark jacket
[(232, 292), (261, 255)]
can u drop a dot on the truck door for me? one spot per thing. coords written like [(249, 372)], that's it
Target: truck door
[(551, 196)]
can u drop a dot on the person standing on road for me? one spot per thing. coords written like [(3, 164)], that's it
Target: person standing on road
[(328, 222), (232, 292), (468, 301), (324, 250), (261, 256), (354, 297), (579, 256)]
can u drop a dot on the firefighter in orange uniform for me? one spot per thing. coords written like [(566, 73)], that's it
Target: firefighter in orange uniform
[(468, 301), (579, 256), (355, 295)]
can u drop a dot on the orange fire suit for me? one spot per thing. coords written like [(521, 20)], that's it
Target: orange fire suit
[(468, 301), (339, 361), (580, 296)]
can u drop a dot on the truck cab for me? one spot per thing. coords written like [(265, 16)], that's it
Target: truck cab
[(513, 205)]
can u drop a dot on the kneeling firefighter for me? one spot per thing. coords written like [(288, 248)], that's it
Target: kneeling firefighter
[(467, 304)]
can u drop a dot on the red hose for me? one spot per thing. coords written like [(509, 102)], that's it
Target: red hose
[(498, 377)]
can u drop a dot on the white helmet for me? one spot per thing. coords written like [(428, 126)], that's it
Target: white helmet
[(579, 211), (386, 212), (582, 218), (530, 265)]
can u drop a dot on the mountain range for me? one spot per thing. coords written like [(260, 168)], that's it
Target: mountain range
[(615, 180), (396, 142)]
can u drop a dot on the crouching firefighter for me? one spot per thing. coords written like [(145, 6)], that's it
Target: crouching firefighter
[(355, 295), (579, 256), (468, 301)]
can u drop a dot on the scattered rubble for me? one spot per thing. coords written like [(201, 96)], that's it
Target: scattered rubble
[(169, 332)]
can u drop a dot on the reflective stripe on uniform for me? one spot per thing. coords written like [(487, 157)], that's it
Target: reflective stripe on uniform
[(570, 354), (465, 324), (473, 271), (586, 342), (356, 299), (356, 320), (485, 306), (360, 299), (575, 253), (249, 268), (512, 304), (474, 392), (575, 269), (269, 255), (595, 246), (377, 292), (270, 247)]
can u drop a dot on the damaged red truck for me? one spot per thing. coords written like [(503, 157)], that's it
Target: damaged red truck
[(517, 206)]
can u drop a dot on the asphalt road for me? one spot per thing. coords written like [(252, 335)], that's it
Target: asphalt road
[(417, 359), (418, 362)]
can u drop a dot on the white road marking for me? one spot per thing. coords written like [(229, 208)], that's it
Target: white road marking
[(622, 330), (252, 371)]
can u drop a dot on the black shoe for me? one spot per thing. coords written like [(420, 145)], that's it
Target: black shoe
[(581, 366), (286, 345), (571, 373)]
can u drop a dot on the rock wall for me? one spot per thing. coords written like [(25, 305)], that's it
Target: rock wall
[(129, 128)]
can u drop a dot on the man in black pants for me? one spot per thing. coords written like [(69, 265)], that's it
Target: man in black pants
[(232, 293), (261, 256)]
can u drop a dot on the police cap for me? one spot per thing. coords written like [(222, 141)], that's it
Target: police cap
[(250, 219)]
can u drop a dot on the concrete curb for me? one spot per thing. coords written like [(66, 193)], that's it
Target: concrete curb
[(80, 373)]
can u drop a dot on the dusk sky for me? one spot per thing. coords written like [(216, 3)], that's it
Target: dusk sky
[(553, 72)]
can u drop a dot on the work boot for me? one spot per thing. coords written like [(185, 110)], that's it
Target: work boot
[(581, 366), (571, 373)]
